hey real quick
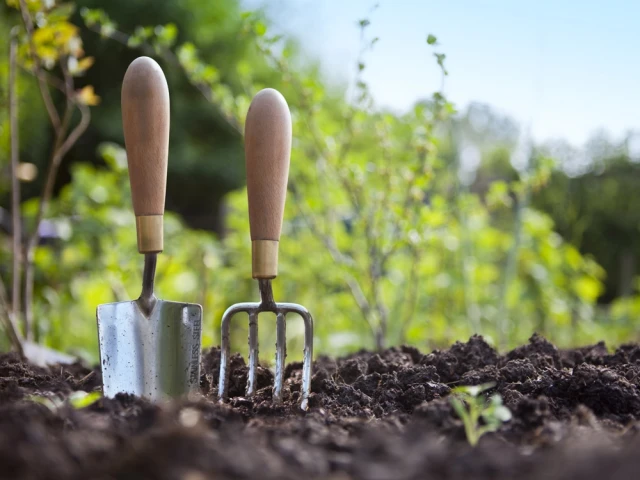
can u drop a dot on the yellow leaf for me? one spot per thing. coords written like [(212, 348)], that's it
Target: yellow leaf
[(87, 96), (587, 288), (85, 63), (43, 35), (32, 5), (77, 67)]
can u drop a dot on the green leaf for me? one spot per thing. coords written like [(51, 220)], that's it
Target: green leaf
[(431, 39), (51, 403), (61, 13), (82, 399), (587, 288), (260, 28), (166, 34), (458, 406), (503, 414)]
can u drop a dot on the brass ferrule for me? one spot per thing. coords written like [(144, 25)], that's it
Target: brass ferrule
[(150, 233), (264, 258)]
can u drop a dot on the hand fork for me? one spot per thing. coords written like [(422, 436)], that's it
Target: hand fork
[(267, 154)]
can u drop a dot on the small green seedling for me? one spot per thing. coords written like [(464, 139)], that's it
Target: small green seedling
[(77, 400), (471, 406)]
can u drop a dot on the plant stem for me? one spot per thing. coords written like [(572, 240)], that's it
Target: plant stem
[(16, 217), (511, 268), (12, 312), (9, 321)]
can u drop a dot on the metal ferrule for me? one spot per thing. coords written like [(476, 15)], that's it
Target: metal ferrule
[(264, 258), (150, 233), (281, 310)]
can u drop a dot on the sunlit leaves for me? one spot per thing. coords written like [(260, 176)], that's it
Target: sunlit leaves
[(587, 288), (498, 195), (98, 18), (260, 28), (78, 67), (76, 400), (56, 41), (166, 34)]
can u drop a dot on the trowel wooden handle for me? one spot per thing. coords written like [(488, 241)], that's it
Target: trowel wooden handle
[(267, 153), (145, 119)]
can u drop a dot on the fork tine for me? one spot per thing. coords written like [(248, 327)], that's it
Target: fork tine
[(253, 353), (281, 355), (224, 356), (308, 358)]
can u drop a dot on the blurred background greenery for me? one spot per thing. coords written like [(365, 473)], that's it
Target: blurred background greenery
[(422, 226)]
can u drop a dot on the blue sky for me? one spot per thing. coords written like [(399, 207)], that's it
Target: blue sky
[(567, 68)]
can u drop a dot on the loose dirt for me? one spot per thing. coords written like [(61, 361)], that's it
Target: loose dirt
[(372, 416)]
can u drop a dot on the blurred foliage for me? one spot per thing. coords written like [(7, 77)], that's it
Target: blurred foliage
[(387, 239), (599, 213)]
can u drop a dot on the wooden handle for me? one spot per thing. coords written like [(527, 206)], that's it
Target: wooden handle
[(267, 152), (145, 119)]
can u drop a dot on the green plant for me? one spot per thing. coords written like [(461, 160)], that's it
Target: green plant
[(78, 400), (478, 414)]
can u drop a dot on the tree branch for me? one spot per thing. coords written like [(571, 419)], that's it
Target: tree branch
[(16, 230), (12, 313)]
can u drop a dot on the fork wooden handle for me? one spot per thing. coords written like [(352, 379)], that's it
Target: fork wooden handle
[(267, 155), (145, 119)]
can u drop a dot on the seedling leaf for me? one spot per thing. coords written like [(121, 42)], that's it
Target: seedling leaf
[(80, 399)]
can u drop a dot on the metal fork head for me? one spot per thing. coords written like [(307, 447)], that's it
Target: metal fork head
[(267, 304)]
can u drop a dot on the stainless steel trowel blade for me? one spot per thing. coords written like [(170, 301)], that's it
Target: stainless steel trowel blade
[(155, 356)]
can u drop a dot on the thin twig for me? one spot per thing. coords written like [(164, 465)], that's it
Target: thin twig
[(16, 217), (9, 321), (409, 296), (12, 312)]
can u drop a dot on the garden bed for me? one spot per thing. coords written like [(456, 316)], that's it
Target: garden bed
[(387, 416)]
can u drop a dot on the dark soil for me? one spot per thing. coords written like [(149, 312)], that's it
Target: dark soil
[(373, 416)]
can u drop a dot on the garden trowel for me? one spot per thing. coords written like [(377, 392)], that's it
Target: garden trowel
[(148, 347)]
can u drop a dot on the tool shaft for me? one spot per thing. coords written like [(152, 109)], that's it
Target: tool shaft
[(268, 304), (147, 298)]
